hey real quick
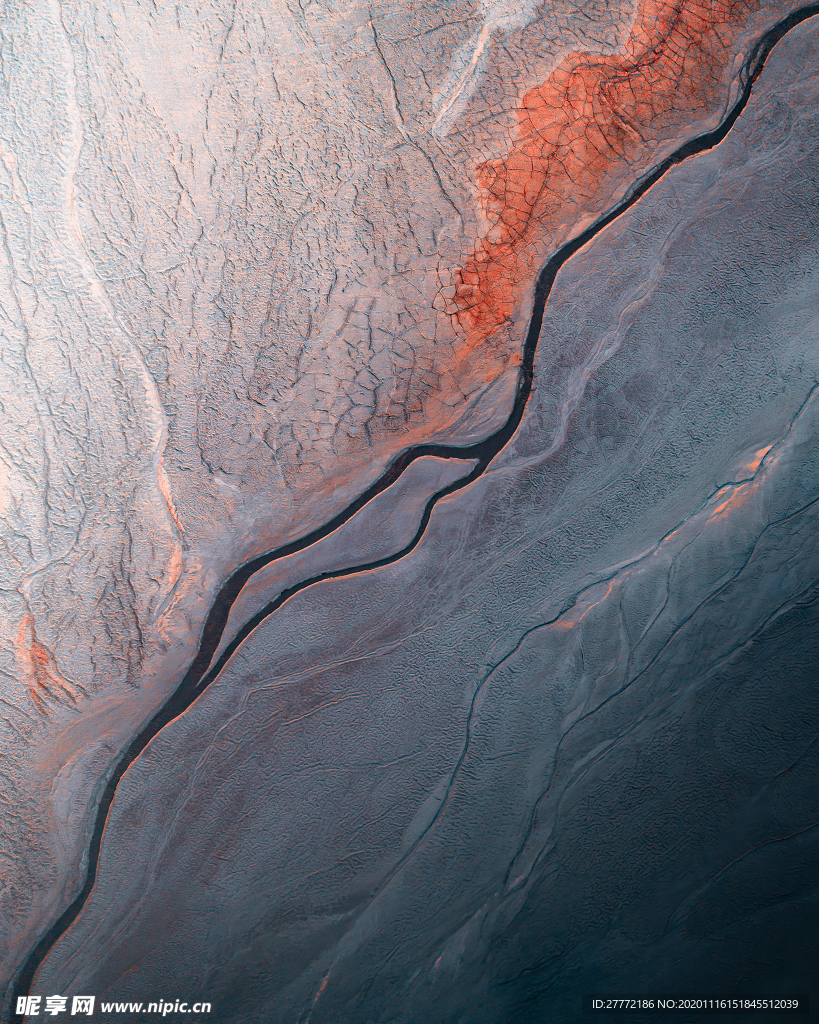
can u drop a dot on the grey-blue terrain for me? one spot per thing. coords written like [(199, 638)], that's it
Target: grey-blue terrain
[(568, 742)]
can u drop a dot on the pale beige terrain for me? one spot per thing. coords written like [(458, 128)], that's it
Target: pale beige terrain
[(240, 269)]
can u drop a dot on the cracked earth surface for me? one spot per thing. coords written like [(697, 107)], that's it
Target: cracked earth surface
[(247, 265)]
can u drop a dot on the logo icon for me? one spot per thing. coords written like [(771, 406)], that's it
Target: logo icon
[(28, 1006)]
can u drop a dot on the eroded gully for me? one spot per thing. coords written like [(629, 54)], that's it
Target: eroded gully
[(201, 673)]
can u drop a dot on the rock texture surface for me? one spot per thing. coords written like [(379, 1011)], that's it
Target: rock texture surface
[(251, 252)]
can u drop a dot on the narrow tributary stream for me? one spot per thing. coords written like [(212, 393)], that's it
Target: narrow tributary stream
[(201, 673)]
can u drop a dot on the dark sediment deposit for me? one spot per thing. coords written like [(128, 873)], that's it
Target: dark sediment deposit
[(561, 739)]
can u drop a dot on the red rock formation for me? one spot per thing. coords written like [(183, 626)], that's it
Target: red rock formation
[(595, 116), (45, 683)]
